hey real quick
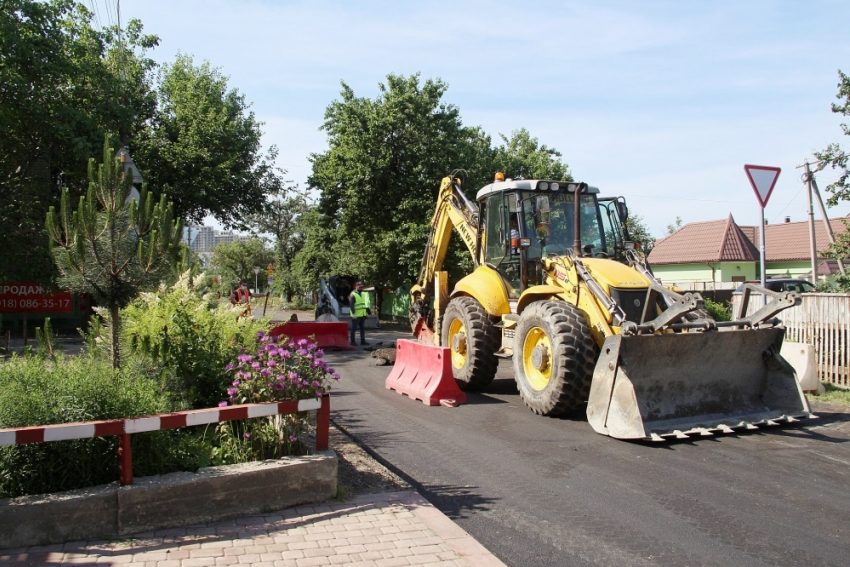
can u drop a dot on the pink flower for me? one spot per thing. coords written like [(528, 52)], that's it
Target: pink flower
[(222, 404), (293, 438)]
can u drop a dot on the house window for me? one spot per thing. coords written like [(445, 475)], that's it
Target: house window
[(738, 279)]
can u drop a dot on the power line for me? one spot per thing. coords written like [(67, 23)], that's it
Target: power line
[(685, 199), (109, 14), (93, 5)]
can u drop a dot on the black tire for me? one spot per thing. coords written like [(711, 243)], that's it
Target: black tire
[(471, 335), (554, 357)]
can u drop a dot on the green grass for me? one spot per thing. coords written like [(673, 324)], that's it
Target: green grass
[(833, 394)]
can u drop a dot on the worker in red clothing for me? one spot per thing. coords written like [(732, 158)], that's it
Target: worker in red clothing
[(241, 297)]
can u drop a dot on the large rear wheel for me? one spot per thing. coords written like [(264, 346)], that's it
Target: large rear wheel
[(554, 357), (471, 336)]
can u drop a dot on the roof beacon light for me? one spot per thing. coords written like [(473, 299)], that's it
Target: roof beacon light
[(499, 176)]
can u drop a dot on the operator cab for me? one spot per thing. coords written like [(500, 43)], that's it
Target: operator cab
[(543, 214)]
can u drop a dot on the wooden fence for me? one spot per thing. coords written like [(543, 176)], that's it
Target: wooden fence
[(822, 320)]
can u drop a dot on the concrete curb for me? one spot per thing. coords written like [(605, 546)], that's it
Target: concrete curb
[(166, 501)]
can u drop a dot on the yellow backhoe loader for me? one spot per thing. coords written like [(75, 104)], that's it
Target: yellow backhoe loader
[(560, 289)]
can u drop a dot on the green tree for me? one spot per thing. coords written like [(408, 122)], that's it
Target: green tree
[(379, 178), (63, 85), (282, 219), (675, 225), (203, 145), (639, 232), (522, 157), (236, 260), (111, 246), (835, 157)]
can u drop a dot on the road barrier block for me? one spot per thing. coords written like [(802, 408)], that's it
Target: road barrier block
[(424, 372), (327, 335)]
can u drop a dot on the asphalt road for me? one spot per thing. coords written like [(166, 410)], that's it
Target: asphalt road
[(543, 491)]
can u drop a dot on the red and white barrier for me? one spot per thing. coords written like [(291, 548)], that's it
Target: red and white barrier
[(125, 427), (87, 430)]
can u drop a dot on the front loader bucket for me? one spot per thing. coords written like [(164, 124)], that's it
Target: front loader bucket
[(676, 384)]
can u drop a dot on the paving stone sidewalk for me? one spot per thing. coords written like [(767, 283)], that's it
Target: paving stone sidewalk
[(380, 530)]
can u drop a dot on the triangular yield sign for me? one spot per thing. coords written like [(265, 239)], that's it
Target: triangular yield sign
[(763, 179)]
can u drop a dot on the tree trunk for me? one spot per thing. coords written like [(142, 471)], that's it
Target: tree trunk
[(115, 352)]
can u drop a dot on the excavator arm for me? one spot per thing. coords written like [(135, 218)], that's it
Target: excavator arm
[(454, 211)]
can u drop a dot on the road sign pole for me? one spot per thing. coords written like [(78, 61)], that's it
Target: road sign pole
[(763, 179), (761, 249)]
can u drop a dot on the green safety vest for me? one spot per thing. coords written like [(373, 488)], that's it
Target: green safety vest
[(359, 307)]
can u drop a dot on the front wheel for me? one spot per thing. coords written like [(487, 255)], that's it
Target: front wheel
[(554, 357), (471, 335)]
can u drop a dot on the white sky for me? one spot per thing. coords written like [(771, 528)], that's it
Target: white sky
[(662, 102)]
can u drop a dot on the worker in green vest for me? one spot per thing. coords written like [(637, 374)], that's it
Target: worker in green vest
[(357, 304)]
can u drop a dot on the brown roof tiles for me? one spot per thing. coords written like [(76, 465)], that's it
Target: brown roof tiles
[(725, 241), (700, 242)]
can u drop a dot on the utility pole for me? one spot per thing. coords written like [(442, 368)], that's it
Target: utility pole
[(813, 248), (809, 178)]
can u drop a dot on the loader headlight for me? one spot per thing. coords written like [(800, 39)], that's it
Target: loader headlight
[(543, 186), (554, 186)]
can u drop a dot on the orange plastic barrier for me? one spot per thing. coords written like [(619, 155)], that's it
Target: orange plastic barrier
[(327, 335), (424, 372)]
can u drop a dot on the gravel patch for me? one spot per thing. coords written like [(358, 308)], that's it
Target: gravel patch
[(359, 472)]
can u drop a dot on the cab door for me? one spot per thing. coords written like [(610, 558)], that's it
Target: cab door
[(499, 252)]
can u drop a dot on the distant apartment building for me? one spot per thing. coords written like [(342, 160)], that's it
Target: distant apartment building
[(202, 240)]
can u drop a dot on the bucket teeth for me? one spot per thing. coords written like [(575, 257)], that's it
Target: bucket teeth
[(725, 428), (680, 434), (750, 426)]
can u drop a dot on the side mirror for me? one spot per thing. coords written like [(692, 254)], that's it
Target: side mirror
[(622, 211)]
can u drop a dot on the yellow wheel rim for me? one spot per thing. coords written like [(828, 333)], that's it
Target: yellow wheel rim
[(457, 343), (537, 358)]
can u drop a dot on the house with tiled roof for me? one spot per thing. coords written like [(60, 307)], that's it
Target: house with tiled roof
[(721, 254)]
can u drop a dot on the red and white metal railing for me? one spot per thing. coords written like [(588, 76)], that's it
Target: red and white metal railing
[(124, 428)]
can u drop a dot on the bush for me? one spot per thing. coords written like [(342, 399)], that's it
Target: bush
[(39, 391), (836, 283), (191, 338), (718, 311), (279, 371)]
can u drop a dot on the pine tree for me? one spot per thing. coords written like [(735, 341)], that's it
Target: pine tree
[(113, 247)]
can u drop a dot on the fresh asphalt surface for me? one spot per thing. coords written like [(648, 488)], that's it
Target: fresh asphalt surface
[(543, 491)]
